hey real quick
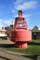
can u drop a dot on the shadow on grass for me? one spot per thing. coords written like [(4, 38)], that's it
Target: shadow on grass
[(7, 45), (33, 43)]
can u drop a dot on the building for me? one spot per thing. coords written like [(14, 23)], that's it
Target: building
[(3, 34), (35, 33)]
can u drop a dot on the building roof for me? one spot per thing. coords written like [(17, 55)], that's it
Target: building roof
[(35, 30)]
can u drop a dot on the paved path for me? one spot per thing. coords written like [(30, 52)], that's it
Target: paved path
[(4, 55), (6, 42)]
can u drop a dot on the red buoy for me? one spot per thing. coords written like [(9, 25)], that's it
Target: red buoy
[(20, 34)]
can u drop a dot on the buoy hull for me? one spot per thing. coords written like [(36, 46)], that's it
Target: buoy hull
[(21, 37)]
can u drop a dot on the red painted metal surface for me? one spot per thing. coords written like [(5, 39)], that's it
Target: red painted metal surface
[(21, 45), (23, 35)]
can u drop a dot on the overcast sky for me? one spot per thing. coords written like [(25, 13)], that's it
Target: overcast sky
[(9, 10)]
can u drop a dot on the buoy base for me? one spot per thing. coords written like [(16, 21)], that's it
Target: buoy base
[(21, 45)]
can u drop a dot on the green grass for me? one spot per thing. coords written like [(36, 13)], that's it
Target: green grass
[(36, 41), (32, 49)]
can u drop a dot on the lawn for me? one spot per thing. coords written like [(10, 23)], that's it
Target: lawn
[(36, 41), (32, 49)]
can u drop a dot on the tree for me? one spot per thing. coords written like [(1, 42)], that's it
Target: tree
[(9, 30)]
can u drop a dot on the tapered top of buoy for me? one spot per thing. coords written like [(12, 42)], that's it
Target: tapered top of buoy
[(20, 13), (20, 21)]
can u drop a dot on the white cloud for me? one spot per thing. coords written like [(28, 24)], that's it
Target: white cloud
[(1, 24), (12, 11), (19, 1), (39, 28), (6, 22), (27, 5), (26, 15)]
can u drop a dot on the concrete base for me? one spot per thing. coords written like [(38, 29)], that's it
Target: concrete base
[(21, 45)]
